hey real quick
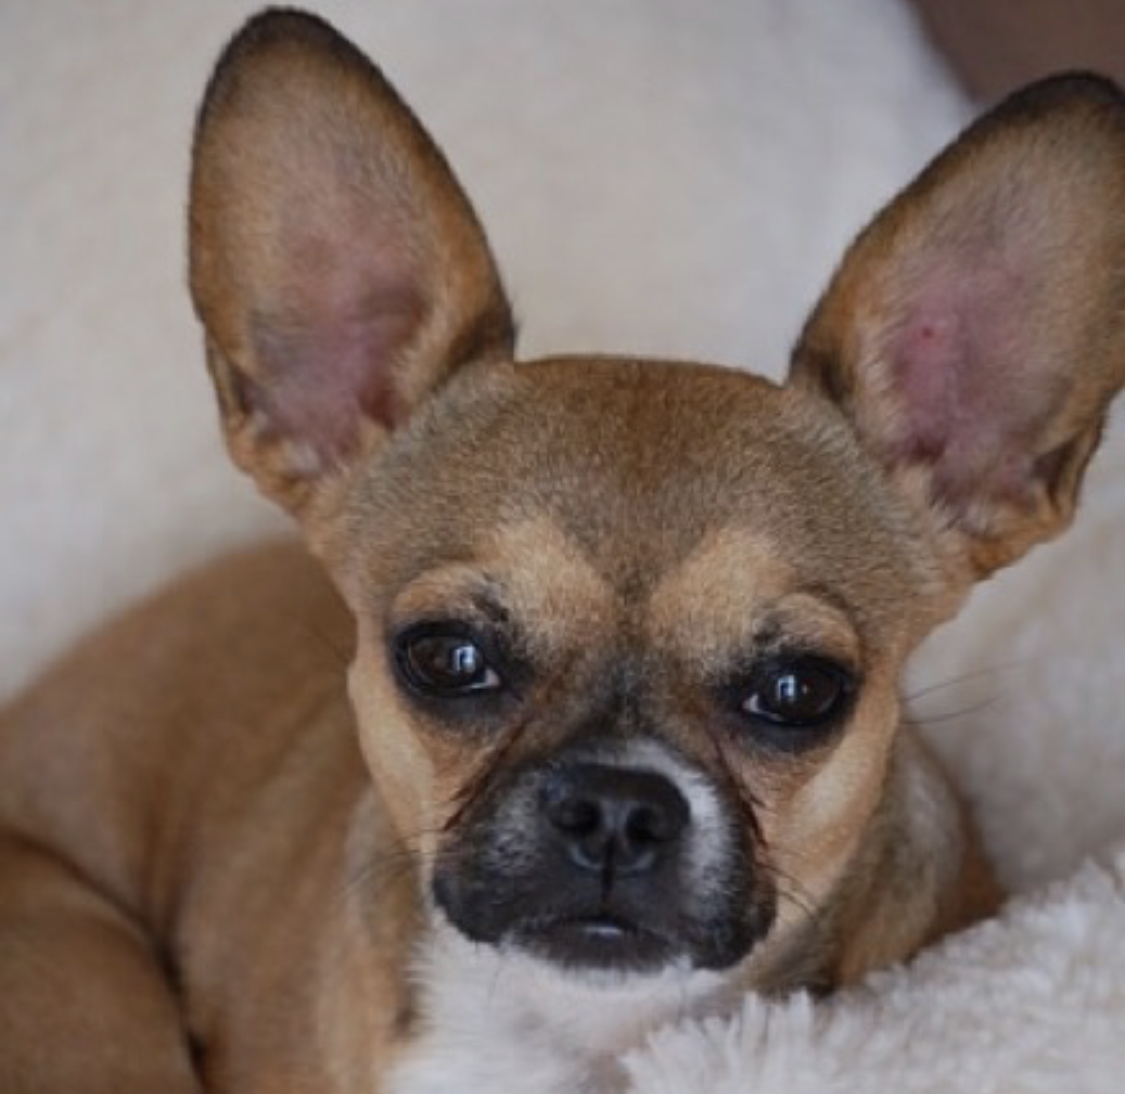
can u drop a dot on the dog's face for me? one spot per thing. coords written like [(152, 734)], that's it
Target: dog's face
[(629, 700), (630, 632)]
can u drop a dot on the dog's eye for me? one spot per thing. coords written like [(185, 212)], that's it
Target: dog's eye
[(805, 693), (444, 665)]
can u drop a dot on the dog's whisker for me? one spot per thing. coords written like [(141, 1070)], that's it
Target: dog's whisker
[(925, 721), (985, 672), (387, 870), (390, 865)]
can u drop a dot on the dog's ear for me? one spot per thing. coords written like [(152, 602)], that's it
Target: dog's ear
[(336, 265), (974, 333)]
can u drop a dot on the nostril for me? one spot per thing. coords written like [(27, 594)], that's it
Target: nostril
[(648, 825), (614, 819), (578, 815)]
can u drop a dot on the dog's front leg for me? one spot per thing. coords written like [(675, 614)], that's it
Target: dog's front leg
[(85, 1007)]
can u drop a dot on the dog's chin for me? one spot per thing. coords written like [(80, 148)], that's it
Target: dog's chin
[(618, 937), (596, 943), (609, 942)]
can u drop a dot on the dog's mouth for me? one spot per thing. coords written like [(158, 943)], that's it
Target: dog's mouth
[(602, 940), (599, 865)]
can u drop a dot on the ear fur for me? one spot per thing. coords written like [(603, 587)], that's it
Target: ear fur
[(337, 267), (974, 333)]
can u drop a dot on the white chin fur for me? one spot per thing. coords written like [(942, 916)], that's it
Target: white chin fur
[(502, 1020)]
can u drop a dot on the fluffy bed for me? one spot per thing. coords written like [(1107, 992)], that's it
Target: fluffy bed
[(658, 176)]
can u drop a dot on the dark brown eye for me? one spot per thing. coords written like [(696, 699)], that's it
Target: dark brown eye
[(444, 665), (802, 694)]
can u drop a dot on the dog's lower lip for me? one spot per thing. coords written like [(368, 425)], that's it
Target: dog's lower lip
[(597, 941), (609, 928), (604, 928)]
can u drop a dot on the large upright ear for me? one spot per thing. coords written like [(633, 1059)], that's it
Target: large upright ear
[(975, 332), (335, 263)]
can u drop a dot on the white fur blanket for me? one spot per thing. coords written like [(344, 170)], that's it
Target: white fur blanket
[(659, 176)]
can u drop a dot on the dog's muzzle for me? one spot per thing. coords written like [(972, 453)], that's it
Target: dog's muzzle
[(603, 863)]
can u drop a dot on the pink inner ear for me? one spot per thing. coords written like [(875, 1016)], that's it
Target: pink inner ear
[(327, 361), (927, 361), (971, 392), (321, 383)]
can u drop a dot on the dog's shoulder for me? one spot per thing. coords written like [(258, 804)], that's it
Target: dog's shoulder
[(209, 680)]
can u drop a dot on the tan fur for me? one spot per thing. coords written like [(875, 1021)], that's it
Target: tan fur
[(230, 846)]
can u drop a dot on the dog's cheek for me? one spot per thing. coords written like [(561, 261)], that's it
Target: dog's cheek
[(813, 831), (487, 867), (403, 772)]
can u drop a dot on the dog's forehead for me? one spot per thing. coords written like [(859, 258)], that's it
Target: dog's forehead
[(639, 461), (652, 476)]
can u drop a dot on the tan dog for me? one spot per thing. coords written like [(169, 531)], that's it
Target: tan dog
[(624, 737)]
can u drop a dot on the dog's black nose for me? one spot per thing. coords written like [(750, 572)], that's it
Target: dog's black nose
[(613, 820)]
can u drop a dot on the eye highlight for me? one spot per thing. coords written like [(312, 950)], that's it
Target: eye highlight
[(444, 661), (801, 693)]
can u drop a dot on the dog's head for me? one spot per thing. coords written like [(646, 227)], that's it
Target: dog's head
[(630, 631)]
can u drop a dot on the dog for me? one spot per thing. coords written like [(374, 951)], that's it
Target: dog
[(594, 721)]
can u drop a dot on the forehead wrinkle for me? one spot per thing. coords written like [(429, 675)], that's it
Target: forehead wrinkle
[(838, 610), (528, 570), (709, 595), (550, 579), (726, 593), (458, 587)]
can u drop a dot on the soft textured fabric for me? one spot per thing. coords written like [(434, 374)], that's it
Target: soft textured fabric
[(658, 176)]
